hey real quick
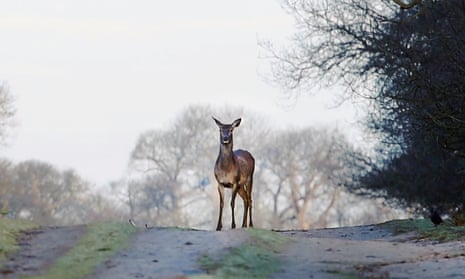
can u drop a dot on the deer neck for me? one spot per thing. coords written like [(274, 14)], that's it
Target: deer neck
[(226, 157)]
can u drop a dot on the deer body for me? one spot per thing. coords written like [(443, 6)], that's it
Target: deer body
[(234, 169)]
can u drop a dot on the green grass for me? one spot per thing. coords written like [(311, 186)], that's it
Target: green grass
[(9, 232), (100, 242), (426, 230), (268, 240), (342, 274), (257, 258)]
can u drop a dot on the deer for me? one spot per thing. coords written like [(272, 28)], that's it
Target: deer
[(234, 170)]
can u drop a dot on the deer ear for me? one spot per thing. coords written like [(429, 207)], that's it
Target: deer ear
[(217, 122), (236, 123)]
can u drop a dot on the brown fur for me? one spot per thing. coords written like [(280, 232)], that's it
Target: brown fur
[(234, 169)]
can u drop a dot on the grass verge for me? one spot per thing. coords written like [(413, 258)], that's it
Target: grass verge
[(426, 230), (100, 242), (9, 232), (257, 258)]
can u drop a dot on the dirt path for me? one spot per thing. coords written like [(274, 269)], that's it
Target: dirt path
[(168, 253), (354, 252), (369, 252), (39, 249)]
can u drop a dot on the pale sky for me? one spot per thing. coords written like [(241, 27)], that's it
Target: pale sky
[(90, 76)]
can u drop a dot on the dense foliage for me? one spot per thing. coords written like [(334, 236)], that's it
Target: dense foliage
[(408, 65)]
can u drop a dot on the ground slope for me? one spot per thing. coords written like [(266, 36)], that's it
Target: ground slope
[(375, 251)]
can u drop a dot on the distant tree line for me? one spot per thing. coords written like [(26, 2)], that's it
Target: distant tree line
[(407, 65), (39, 192), (297, 183)]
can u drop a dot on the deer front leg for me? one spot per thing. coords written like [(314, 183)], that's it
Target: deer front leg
[(233, 199), (220, 217)]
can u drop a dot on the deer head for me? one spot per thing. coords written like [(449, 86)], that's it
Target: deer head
[(226, 130)]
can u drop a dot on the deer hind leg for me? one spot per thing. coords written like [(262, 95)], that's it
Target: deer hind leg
[(233, 201), (249, 199), (243, 195), (221, 193)]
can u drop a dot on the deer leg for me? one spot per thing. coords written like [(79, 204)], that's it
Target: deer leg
[(249, 198), (221, 193), (250, 212), (243, 195), (233, 200)]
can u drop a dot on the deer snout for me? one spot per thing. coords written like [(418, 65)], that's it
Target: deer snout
[(225, 140), (226, 137)]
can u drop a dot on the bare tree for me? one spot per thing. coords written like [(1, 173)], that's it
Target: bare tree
[(304, 167), (125, 193), (7, 111), (6, 182), (38, 191), (173, 162), (97, 207)]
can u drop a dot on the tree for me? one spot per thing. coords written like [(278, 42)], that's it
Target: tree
[(6, 182), (332, 42), (174, 163), (303, 168), (39, 192), (7, 112), (423, 92), (417, 179), (421, 107), (408, 64)]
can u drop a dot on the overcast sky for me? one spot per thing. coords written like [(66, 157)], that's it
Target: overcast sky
[(90, 76)]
